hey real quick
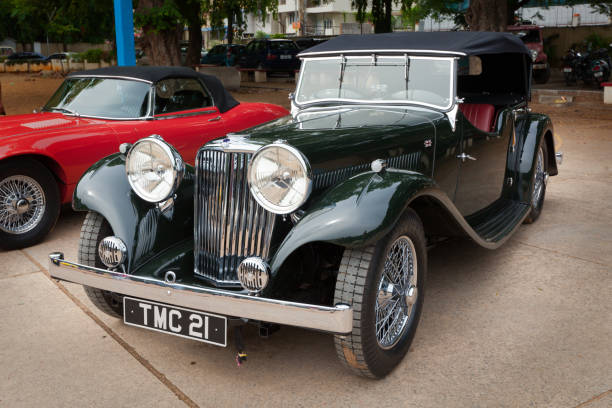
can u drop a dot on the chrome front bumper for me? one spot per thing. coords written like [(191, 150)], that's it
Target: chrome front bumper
[(338, 319)]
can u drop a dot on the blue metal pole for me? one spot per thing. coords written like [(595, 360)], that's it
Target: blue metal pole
[(124, 29)]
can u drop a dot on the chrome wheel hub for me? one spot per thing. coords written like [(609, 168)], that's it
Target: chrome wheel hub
[(541, 177), (22, 204), (397, 293)]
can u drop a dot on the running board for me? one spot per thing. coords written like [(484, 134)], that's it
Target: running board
[(498, 220)]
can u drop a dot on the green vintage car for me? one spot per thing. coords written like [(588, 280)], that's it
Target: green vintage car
[(322, 219)]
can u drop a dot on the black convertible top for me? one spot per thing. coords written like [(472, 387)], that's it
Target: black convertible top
[(445, 43), (223, 100)]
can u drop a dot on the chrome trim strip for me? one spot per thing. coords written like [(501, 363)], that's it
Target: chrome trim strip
[(391, 102), (111, 77), (303, 54), (338, 319)]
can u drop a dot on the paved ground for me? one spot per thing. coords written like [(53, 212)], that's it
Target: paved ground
[(526, 325)]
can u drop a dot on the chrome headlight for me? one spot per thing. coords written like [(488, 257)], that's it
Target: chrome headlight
[(534, 55), (154, 169), (279, 178)]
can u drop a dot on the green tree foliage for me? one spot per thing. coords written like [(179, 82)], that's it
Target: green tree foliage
[(235, 10), (62, 21)]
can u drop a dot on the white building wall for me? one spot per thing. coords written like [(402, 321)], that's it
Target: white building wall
[(554, 16), (563, 16)]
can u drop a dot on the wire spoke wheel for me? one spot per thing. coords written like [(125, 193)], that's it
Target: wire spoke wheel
[(397, 292), (22, 204), (540, 175), (385, 285)]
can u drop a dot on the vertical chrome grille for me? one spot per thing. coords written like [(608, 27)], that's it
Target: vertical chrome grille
[(229, 224)]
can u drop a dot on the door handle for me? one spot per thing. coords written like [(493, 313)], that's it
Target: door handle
[(464, 156), (215, 119)]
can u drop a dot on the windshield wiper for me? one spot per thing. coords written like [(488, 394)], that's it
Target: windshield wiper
[(65, 110), (343, 65), (407, 72)]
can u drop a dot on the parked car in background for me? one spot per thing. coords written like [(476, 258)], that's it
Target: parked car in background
[(223, 54), (60, 56), (273, 55), (305, 43), (322, 219), (29, 56), (5, 50), (531, 35), (43, 155)]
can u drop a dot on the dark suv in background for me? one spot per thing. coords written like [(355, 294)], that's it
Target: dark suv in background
[(223, 54), (272, 55)]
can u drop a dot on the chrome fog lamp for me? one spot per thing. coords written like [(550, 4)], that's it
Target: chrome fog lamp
[(253, 274), (112, 251), (154, 169), (280, 178)]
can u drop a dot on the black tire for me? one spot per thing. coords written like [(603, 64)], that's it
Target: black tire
[(359, 278), (541, 76), (94, 229), (538, 203), (33, 185)]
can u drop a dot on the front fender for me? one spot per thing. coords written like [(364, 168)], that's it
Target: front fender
[(531, 129), (145, 229), (356, 213)]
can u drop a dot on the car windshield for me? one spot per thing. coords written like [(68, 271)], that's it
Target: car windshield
[(282, 45), (528, 36), (377, 79), (101, 97)]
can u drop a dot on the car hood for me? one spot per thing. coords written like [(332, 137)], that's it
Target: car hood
[(20, 125), (336, 138)]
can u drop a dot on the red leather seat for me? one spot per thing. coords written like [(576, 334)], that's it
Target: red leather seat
[(479, 114)]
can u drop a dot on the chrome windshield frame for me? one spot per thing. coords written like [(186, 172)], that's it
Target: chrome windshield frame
[(344, 101)]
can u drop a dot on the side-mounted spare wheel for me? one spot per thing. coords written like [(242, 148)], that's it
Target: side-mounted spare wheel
[(385, 284), (95, 228), (29, 202)]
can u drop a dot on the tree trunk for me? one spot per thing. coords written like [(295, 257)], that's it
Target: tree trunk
[(302, 17), (381, 14), (487, 15), (194, 52), (192, 12), (230, 27), (162, 46)]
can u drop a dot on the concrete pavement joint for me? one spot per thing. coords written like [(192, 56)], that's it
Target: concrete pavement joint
[(595, 398), (564, 254), (144, 362), (20, 274)]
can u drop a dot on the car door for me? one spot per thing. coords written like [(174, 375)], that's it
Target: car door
[(184, 115), (482, 166)]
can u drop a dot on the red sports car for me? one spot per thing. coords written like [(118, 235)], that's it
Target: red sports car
[(43, 155)]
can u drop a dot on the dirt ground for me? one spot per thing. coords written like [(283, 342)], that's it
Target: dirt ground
[(527, 325)]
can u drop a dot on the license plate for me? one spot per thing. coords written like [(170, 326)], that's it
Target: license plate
[(567, 70), (178, 321), (285, 57), (598, 74)]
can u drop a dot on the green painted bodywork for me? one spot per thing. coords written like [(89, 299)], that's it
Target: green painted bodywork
[(356, 208), (356, 212), (145, 229)]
